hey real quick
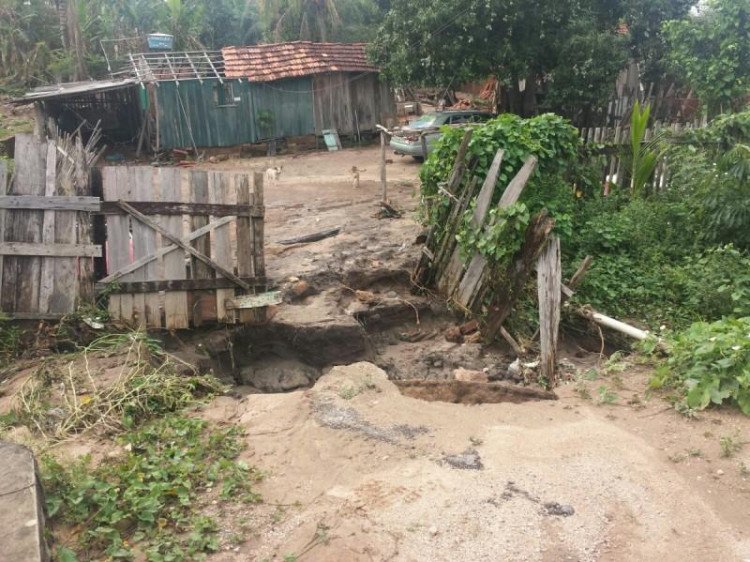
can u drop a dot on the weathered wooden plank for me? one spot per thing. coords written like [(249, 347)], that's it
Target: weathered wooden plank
[(205, 259), (3, 190), (221, 252), (549, 284), (245, 245), (51, 202), (84, 267), (140, 234), (249, 302), (199, 194), (47, 277), (52, 250), (259, 265), (26, 225), (145, 189), (176, 312), (470, 284), (177, 285), (452, 274), (183, 208), (166, 249), (118, 237)]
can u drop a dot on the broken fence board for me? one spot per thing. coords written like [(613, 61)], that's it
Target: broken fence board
[(313, 237), (178, 285), (182, 208), (452, 275), (244, 302), (470, 285), (549, 284), (51, 202)]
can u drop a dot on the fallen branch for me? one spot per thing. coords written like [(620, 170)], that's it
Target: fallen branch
[(314, 237)]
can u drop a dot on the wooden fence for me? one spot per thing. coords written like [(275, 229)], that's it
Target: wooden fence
[(45, 245), (181, 244), (182, 248)]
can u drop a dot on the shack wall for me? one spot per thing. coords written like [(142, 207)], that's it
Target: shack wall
[(351, 101), (191, 113)]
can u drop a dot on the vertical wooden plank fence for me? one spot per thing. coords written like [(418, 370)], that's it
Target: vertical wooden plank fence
[(185, 247), (44, 234)]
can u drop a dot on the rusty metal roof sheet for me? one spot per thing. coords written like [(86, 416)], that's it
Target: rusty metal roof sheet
[(274, 61)]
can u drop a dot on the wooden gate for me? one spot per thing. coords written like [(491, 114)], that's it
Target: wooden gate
[(183, 246), (45, 245)]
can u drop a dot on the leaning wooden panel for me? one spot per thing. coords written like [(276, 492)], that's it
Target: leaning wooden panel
[(221, 251), (176, 313)]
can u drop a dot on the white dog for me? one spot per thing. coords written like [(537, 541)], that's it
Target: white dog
[(273, 173)]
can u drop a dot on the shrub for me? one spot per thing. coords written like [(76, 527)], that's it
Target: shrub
[(710, 364)]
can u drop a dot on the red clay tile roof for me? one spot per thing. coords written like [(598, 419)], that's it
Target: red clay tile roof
[(274, 61)]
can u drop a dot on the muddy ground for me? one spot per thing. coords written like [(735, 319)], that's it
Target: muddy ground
[(357, 471)]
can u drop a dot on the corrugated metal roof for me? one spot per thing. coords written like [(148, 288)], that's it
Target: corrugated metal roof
[(73, 89), (274, 61)]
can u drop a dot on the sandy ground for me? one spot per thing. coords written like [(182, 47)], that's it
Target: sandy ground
[(366, 478)]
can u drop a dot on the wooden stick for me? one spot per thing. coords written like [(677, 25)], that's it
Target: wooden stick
[(175, 240), (383, 182), (580, 273), (549, 281), (314, 237)]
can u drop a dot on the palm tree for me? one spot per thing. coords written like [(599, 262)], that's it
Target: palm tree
[(312, 20)]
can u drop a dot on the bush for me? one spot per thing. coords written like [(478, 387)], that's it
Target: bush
[(710, 364)]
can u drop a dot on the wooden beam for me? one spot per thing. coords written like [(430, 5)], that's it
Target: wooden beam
[(50, 203), (246, 302), (175, 240), (116, 287), (383, 182), (115, 275), (549, 283), (178, 208), (50, 250)]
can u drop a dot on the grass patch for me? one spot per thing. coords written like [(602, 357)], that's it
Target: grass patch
[(148, 502), (69, 397)]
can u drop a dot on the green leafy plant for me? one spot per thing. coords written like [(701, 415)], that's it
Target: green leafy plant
[(148, 500), (606, 396), (644, 153), (730, 445), (710, 364)]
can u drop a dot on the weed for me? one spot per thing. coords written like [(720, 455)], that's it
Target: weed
[(290, 558), (636, 402), (10, 339), (476, 441), (744, 470), (590, 375), (694, 452), (348, 392), (606, 396), (149, 498), (148, 384), (278, 515), (730, 444), (677, 457), (582, 390)]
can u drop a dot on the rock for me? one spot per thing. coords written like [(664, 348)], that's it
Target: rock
[(454, 335), (466, 375), (719, 472), (433, 530), (468, 460), (392, 294), (470, 327), (279, 376), (562, 510), (367, 297)]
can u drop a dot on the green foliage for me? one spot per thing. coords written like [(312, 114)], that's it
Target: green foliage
[(710, 364), (730, 445), (569, 46), (148, 499), (710, 49), (549, 137), (10, 339), (644, 155)]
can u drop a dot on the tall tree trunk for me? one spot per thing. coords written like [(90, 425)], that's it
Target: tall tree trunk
[(529, 106), (62, 18), (75, 40)]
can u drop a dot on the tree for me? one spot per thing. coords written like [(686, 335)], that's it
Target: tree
[(711, 51), (536, 42), (289, 20)]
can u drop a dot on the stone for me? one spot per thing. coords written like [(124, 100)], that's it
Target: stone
[(280, 375), (470, 327), (468, 460), (21, 506), (454, 335), (562, 510), (466, 375)]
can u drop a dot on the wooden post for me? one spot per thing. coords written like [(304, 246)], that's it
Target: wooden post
[(383, 183), (549, 284)]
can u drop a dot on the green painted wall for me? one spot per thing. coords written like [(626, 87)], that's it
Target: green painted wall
[(190, 112)]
